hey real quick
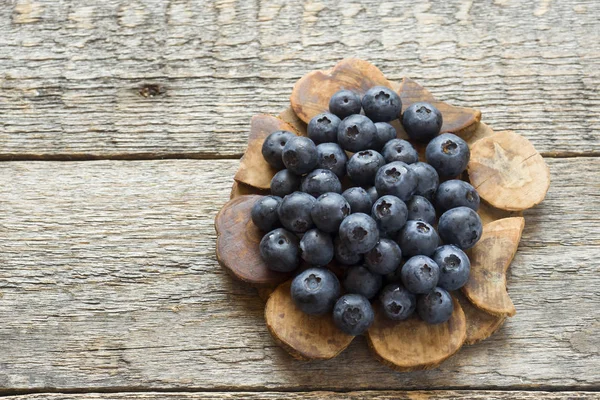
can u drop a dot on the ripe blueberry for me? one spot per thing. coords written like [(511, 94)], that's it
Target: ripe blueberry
[(390, 213), (435, 307), (329, 211), (427, 177), (321, 181), (360, 280), (353, 314), (315, 290), (456, 193), (454, 267), (279, 250), (460, 226), (385, 132), (316, 247), (396, 179), (397, 303), (356, 133), (422, 121), (264, 213), (363, 166), (384, 258), (332, 157), (273, 147), (448, 154), (284, 182), (300, 155), (343, 254), (418, 238), (420, 274), (359, 231), (420, 209), (399, 150), (294, 212), (344, 103), (359, 200), (381, 104), (372, 191), (323, 128)]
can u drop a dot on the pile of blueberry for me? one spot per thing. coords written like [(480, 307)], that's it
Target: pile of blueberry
[(382, 229)]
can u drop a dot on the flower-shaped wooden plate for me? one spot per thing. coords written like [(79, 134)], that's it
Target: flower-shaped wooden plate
[(509, 174)]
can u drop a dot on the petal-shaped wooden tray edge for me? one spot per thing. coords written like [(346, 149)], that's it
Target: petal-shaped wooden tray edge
[(414, 344), (490, 259), (305, 337), (254, 170), (237, 244), (480, 325)]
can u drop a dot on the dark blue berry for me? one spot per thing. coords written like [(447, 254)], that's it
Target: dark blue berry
[(384, 258), (399, 150), (397, 303), (316, 247), (344, 103), (381, 104), (448, 154), (422, 121), (264, 213), (420, 209), (356, 133), (300, 155), (460, 226), (315, 290), (273, 147), (385, 132), (372, 191), (454, 267), (284, 182), (323, 128), (329, 211), (390, 213), (359, 200), (332, 157), (294, 212), (418, 238), (435, 307), (321, 181), (428, 179), (359, 231), (344, 255), (420, 274), (363, 166), (456, 193), (279, 250), (396, 179), (359, 280), (353, 314)]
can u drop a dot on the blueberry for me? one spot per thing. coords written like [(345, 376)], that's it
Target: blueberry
[(385, 132), (460, 226), (279, 250), (344, 103), (396, 179), (399, 150), (323, 128), (420, 274), (356, 133), (315, 290), (300, 155), (359, 280), (456, 193), (381, 104), (353, 314), (273, 147), (363, 166), (284, 182), (418, 238), (435, 307), (422, 121), (454, 267), (428, 179), (359, 231), (420, 209), (332, 157), (294, 212), (372, 191), (448, 154), (329, 211), (321, 181), (359, 200), (343, 254), (394, 276), (316, 247), (390, 213), (384, 258), (397, 303), (264, 213)]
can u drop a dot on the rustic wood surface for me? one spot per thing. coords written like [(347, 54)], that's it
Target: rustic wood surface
[(108, 275)]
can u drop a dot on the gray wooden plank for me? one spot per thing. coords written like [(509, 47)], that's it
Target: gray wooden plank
[(71, 72), (108, 279), (360, 395)]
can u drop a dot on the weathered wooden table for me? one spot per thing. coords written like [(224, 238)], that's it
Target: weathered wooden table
[(121, 126)]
